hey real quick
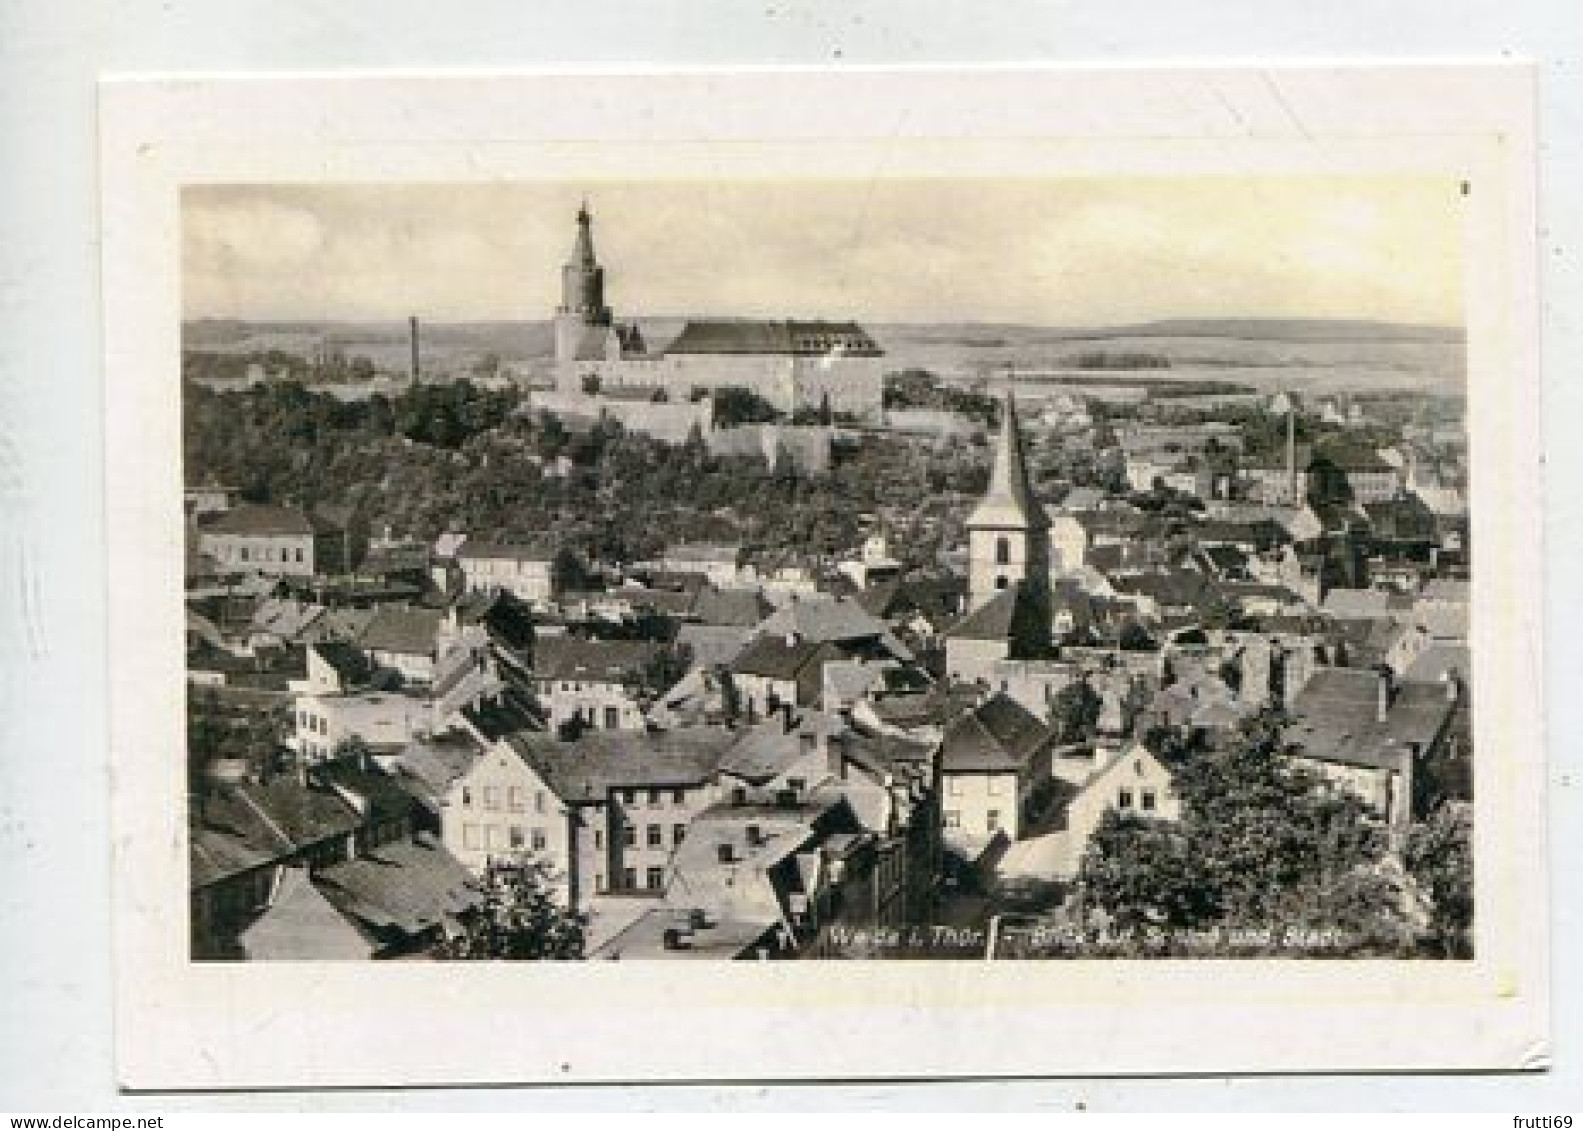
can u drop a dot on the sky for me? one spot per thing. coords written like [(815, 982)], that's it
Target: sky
[(1055, 252)]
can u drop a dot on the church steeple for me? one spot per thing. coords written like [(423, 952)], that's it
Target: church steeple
[(1009, 504), (1008, 533)]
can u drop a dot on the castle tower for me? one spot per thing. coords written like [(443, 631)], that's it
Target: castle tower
[(582, 293), (1008, 533)]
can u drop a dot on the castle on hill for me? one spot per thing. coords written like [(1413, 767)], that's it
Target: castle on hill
[(791, 364)]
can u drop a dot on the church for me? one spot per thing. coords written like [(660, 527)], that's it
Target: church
[(792, 364), (1008, 555)]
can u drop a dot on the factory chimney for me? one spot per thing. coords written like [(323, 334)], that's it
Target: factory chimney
[(412, 338)]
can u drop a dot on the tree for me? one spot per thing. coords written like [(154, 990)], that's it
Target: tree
[(1439, 857), (1075, 711), (1261, 846), (519, 918), (1135, 638), (733, 406), (206, 735)]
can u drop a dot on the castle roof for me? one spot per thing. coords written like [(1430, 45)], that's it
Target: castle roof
[(755, 336), (1009, 503)]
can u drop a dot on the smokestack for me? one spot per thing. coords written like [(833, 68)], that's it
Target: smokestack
[(1291, 453), (412, 338), (1383, 706)]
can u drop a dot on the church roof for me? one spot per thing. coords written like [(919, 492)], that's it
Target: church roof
[(992, 620), (1009, 502)]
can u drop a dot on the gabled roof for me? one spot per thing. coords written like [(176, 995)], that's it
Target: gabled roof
[(999, 736), (406, 631), (476, 550), (1357, 604), (403, 887), (777, 657), (595, 661), (1336, 718), (712, 645), (992, 620), (598, 761), (820, 619), (302, 925), (429, 766), (1440, 660), (1171, 588), (382, 794), (1009, 503), (737, 607), (261, 520), (249, 825), (285, 617)]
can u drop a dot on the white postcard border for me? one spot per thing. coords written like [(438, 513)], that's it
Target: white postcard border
[(184, 1025)]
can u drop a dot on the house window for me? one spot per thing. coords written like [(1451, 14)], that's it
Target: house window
[(1148, 800), (678, 797), (678, 833), (994, 786), (517, 839), (538, 801), (1000, 581), (299, 554), (599, 881), (1124, 799), (629, 878), (492, 837), (656, 836), (515, 799), (244, 553), (492, 797), (992, 820), (599, 839), (953, 786), (629, 836), (539, 840), (629, 796), (654, 797), (612, 718), (472, 840), (1002, 551), (655, 877), (953, 818), (467, 797)]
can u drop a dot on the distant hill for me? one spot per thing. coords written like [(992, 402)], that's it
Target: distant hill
[(1289, 330), (990, 334)]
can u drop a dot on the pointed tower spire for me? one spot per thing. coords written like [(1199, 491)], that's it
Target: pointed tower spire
[(1009, 504), (583, 249)]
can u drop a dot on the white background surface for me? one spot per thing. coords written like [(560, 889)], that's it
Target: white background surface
[(54, 932)]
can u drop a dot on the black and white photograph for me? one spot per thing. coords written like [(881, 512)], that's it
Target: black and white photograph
[(965, 568), (979, 574)]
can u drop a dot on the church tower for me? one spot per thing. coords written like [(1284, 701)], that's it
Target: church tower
[(582, 293), (1008, 533)]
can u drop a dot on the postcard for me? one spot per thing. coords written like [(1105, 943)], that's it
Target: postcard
[(824, 573)]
